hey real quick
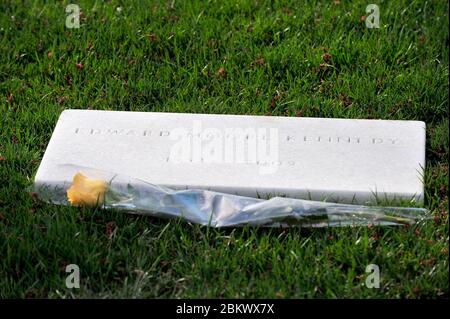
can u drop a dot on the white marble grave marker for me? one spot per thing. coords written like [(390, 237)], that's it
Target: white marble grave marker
[(310, 158)]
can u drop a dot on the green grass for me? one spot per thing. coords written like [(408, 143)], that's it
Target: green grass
[(164, 57)]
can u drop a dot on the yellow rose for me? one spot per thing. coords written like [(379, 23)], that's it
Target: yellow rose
[(86, 191)]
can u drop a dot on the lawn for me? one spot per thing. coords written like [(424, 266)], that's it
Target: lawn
[(284, 58)]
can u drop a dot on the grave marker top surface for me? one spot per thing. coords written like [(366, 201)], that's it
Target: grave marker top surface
[(312, 158)]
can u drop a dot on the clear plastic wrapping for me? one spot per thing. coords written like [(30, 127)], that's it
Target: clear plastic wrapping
[(92, 187)]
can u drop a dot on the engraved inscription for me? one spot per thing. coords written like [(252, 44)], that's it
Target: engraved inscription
[(306, 139)]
